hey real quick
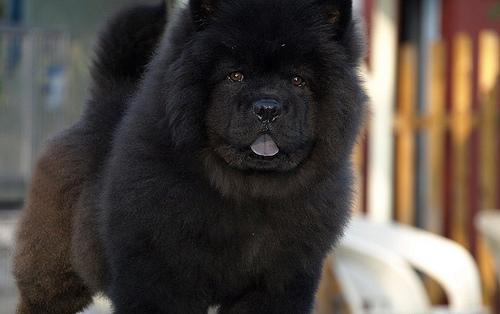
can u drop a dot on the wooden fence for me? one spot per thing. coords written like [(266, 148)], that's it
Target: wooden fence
[(460, 128)]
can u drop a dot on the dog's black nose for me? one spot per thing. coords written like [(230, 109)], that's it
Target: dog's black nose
[(267, 110)]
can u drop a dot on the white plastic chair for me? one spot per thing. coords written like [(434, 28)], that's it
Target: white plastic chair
[(371, 275), (488, 223), (443, 260)]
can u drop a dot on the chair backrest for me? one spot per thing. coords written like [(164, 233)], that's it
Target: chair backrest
[(488, 223), (445, 261), (375, 280)]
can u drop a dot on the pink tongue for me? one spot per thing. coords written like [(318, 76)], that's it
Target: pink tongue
[(265, 146)]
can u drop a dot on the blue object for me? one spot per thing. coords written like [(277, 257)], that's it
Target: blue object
[(16, 12)]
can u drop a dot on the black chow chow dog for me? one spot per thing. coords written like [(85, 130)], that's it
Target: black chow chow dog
[(211, 166)]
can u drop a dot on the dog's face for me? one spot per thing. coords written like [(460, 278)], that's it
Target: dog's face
[(262, 109), (282, 96)]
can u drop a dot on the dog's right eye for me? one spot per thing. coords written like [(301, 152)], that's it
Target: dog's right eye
[(298, 81), (236, 76)]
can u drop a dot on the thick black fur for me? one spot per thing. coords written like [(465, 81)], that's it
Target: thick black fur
[(176, 213)]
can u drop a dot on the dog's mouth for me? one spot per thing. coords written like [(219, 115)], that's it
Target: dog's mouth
[(264, 155), (265, 146)]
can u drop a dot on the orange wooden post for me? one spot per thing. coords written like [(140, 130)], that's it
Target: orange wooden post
[(461, 130), (489, 59), (405, 135), (329, 291), (358, 161), (489, 52)]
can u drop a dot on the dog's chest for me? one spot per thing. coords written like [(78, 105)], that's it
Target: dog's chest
[(259, 248)]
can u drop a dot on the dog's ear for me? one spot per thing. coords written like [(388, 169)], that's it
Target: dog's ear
[(338, 13), (201, 11)]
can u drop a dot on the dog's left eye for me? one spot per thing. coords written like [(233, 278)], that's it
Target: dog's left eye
[(298, 81), (236, 76)]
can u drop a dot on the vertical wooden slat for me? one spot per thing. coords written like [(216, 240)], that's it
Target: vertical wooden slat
[(329, 295), (488, 83), (359, 165), (436, 124), (461, 130), (489, 53), (364, 182), (357, 160), (405, 138)]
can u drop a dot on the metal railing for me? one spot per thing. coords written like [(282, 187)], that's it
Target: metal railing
[(34, 77)]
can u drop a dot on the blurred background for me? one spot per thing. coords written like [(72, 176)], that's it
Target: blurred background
[(428, 163)]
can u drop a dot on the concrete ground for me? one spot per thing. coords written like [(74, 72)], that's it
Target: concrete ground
[(8, 294)]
